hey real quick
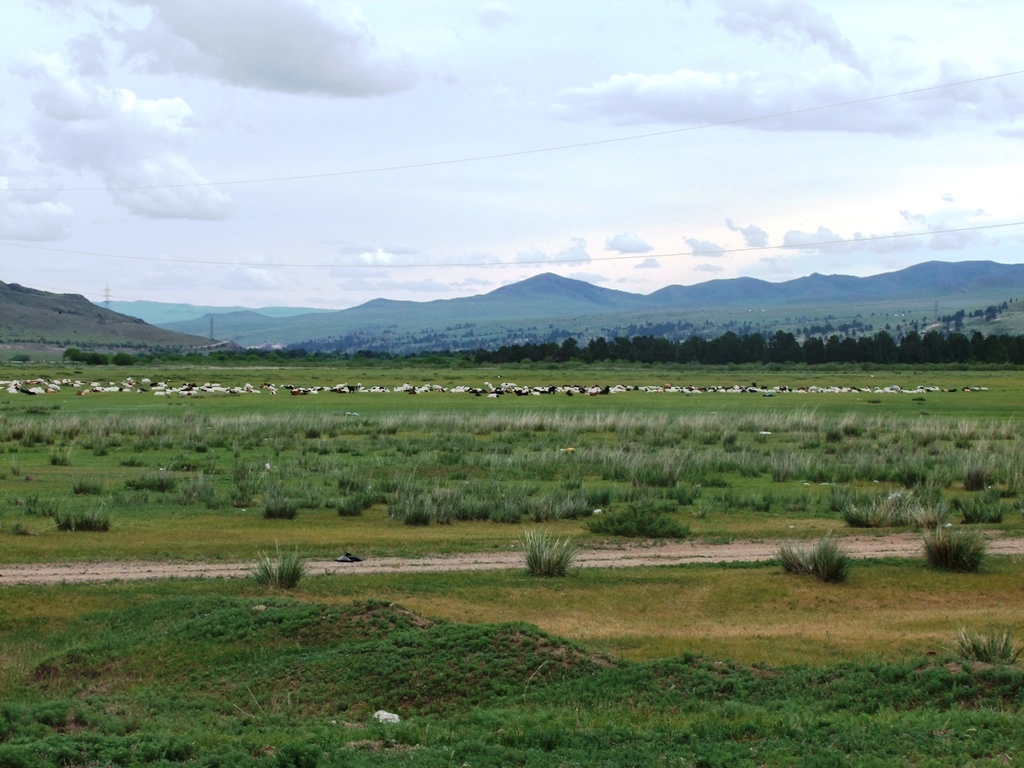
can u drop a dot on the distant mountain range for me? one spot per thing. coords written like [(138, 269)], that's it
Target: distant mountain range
[(28, 316), (548, 307)]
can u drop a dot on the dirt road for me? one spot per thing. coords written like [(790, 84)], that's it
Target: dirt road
[(625, 556)]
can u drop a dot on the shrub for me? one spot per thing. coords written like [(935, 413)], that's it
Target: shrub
[(826, 560), (280, 572), (546, 556), (639, 520), (896, 509), (995, 647), (955, 550), (41, 507), (82, 520)]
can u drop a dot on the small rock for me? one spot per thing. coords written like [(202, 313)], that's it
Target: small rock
[(385, 717)]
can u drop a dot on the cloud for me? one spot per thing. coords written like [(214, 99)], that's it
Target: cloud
[(704, 248), (627, 242), (648, 263), (25, 217), (753, 235), (708, 268), (126, 140), (792, 22), (947, 197), (589, 277), (290, 46), (831, 243), (691, 97), (573, 255), (249, 279), (494, 15)]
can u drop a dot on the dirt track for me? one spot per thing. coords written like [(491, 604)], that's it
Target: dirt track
[(626, 556)]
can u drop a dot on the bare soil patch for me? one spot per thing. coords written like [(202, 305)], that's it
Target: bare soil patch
[(627, 555)]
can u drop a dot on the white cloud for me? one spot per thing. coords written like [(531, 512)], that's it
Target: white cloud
[(25, 217), (648, 263), (249, 279), (291, 46), (691, 97), (574, 254), (126, 140), (494, 15), (704, 248), (790, 21), (708, 268), (588, 277), (627, 242), (829, 242), (947, 197), (753, 235)]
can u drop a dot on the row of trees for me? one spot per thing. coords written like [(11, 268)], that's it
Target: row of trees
[(780, 347), (729, 348)]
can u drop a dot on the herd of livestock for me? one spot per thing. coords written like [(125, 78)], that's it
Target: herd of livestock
[(162, 389)]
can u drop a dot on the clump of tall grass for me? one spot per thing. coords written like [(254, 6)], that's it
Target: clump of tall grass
[(825, 560), (977, 477), (639, 520), (87, 486), (957, 550), (151, 481), (984, 508), (60, 456), (994, 647), (893, 510), (247, 477), (95, 520), (283, 571), (199, 490), (410, 508), (354, 504), (547, 556), (41, 507), (277, 505)]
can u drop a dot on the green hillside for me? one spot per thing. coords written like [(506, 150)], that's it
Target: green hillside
[(28, 316), (548, 308)]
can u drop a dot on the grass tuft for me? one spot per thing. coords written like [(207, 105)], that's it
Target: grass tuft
[(94, 520), (547, 556), (995, 647), (639, 520), (958, 550), (826, 560), (284, 571)]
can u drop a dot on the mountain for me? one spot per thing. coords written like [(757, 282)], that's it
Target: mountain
[(157, 312), (31, 316), (549, 307)]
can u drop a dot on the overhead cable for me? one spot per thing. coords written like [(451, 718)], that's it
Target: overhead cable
[(524, 152), (566, 260)]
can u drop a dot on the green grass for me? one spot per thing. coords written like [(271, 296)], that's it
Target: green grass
[(547, 556), (959, 550), (994, 647), (825, 560), (282, 571)]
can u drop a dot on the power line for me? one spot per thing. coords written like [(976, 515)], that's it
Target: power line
[(524, 152), (621, 257)]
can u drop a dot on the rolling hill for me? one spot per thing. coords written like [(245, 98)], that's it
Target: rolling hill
[(549, 307), (29, 316)]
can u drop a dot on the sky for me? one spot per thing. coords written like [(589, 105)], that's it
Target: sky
[(322, 154)]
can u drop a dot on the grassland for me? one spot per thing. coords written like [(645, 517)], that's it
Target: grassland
[(698, 665)]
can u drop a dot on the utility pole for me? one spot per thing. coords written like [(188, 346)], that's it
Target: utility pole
[(211, 326), (106, 296)]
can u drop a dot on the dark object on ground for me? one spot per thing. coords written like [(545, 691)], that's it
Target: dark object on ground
[(348, 558)]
